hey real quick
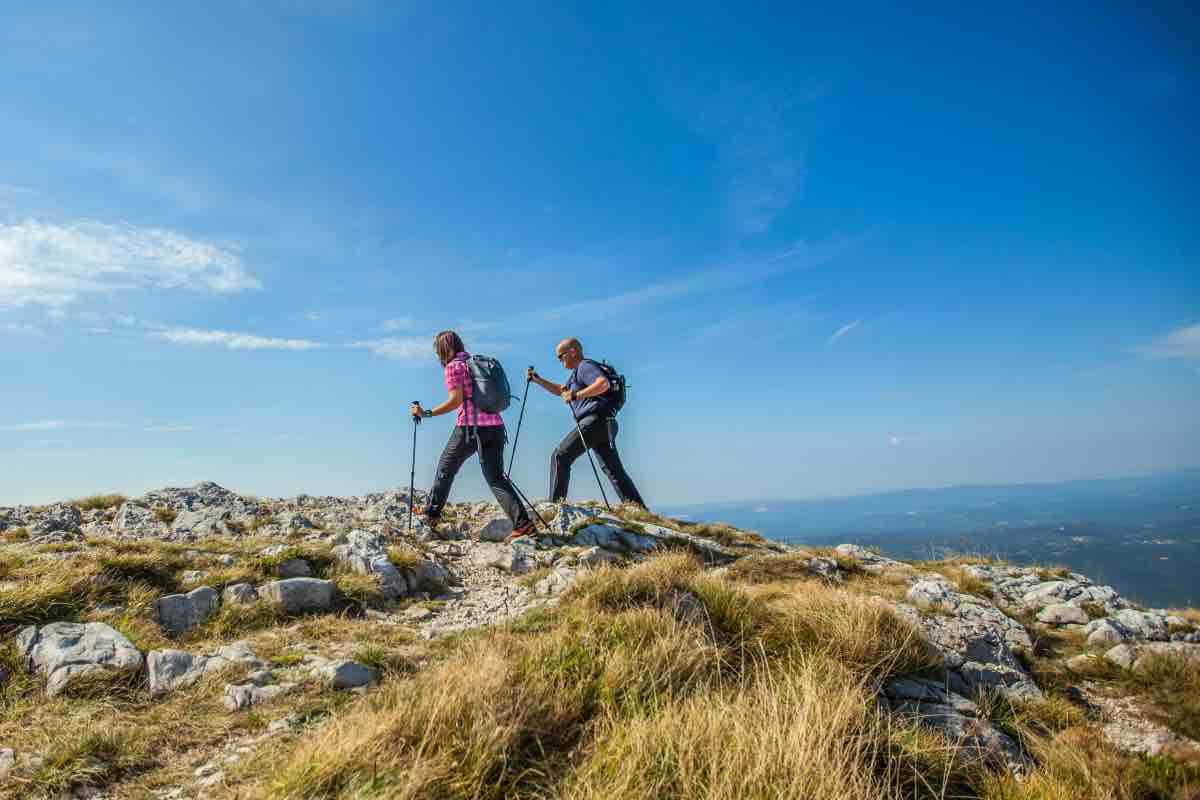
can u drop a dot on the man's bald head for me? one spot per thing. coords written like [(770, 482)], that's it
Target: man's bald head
[(569, 352)]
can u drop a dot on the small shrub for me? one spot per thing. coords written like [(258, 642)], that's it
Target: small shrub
[(255, 524), (404, 557), (165, 515), (98, 502), (363, 591), (17, 534)]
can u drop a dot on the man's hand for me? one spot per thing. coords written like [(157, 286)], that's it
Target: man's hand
[(416, 411), (566, 396)]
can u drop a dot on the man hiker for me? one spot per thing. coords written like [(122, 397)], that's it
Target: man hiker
[(588, 392)]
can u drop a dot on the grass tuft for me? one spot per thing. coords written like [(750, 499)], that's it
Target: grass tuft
[(99, 502)]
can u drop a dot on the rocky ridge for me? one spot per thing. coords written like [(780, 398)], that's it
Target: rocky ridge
[(984, 625)]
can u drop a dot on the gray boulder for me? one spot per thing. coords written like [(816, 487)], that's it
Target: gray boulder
[(1106, 633), (66, 652), (8, 760), (295, 568), (1062, 614), (298, 595), (135, 518), (204, 522), (559, 579), (504, 558), (1123, 655), (823, 567), (953, 715), (346, 674), (366, 553), (870, 561), (242, 696), (1145, 625), (179, 613), (168, 670), (495, 529), (597, 557)]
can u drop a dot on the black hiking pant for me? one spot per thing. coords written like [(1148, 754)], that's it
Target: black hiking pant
[(600, 433), (462, 445)]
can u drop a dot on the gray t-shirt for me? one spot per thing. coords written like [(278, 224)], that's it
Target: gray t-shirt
[(584, 376)]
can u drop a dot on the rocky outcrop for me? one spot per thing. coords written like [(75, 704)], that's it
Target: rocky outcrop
[(67, 652), (954, 716), (977, 641), (56, 523)]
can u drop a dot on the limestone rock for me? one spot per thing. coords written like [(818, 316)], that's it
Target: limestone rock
[(495, 529), (299, 595), (243, 696), (1062, 614), (366, 553), (1144, 624), (515, 560), (168, 670), (597, 557), (824, 567), (135, 518), (8, 760), (1123, 655), (868, 560), (204, 522), (67, 651), (294, 568), (346, 674), (179, 613), (559, 579), (977, 641), (1106, 633), (954, 716), (59, 522)]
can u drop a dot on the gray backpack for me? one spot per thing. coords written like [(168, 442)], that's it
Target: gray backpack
[(490, 391)]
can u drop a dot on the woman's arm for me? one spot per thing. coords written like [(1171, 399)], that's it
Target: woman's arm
[(454, 399)]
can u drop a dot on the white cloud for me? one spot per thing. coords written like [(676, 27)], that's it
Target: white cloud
[(61, 424), (399, 324), (231, 340), (409, 349), (898, 439), (168, 428), (842, 331), (53, 264), (1181, 343)]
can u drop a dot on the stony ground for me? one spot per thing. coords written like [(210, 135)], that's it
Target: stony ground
[(169, 645)]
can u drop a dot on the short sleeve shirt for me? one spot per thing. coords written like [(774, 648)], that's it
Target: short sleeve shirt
[(457, 377), (584, 376)]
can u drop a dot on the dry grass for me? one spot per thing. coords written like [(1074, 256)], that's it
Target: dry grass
[(720, 532), (612, 695), (403, 557), (165, 515), (771, 567), (98, 502)]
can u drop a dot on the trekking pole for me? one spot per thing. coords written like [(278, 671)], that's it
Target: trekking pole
[(520, 419), (412, 476), (588, 450), (532, 508)]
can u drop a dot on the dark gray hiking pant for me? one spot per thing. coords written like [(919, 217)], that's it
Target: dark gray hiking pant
[(462, 445), (600, 433)]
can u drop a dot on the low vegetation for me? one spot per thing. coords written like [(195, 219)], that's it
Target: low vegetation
[(99, 502)]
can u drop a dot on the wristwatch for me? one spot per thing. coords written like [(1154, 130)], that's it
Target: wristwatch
[(426, 413)]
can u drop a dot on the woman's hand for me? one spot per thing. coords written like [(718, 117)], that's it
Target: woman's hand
[(416, 411), (530, 374)]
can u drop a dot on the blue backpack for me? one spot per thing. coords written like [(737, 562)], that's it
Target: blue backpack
[(490, 391)]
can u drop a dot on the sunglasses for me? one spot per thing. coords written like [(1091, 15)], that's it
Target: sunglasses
[(562, 355)]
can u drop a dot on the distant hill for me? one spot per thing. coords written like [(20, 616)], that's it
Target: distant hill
[(1141, 534)]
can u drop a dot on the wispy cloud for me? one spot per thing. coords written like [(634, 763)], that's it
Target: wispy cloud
[(168, 428), (409, 348), (896, 440), (53, 264), (1181, 343), (61, 425), (20, 327), (232, 340), (842, 331), (399, 324)]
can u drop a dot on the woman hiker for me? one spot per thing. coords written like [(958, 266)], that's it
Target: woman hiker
[(476, 430)]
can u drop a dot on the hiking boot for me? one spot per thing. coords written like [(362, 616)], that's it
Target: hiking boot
[(431, 520), (521, 530)]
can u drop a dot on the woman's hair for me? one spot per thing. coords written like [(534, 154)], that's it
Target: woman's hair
[(447, 345)]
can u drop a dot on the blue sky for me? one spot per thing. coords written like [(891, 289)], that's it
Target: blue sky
[(834, 251)]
